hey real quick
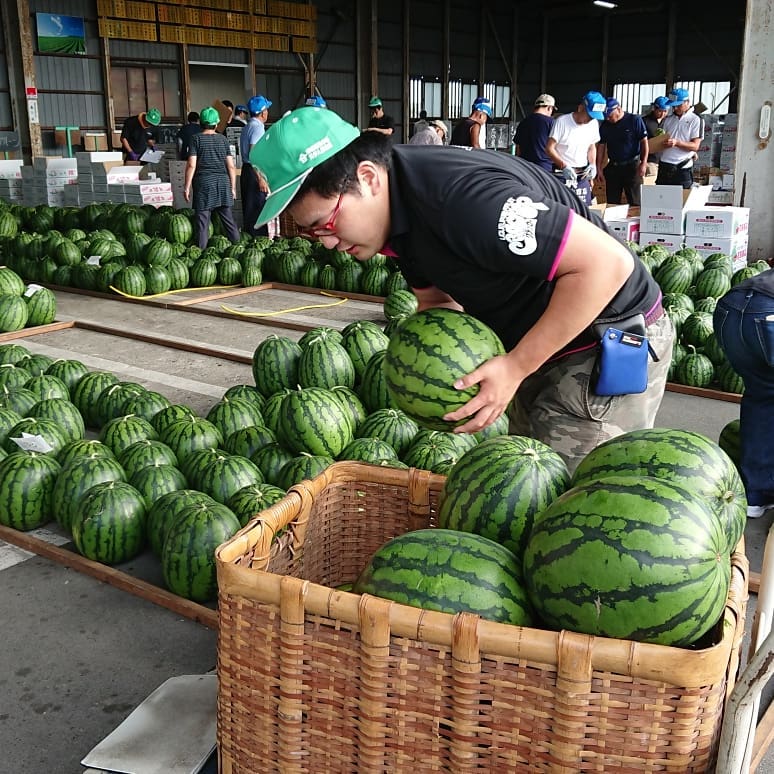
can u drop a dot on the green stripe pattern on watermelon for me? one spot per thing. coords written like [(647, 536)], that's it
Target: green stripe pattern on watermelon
[(425, 357), (26, 487), (448, 571), (634, 558)]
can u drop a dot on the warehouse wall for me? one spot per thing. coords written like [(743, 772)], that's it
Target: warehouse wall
[(6, 116)]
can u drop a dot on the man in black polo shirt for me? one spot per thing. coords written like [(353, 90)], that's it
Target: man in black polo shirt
[(494, 235), (138, 133), (624, 138), (380, 122)]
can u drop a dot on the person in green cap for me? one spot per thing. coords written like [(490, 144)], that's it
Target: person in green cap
[(211, 173), (379, 121), (496, 236), (139, 133)]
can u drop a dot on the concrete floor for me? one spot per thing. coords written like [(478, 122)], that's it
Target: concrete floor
[(78, 655)]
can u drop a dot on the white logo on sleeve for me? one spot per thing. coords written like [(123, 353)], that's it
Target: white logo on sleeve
[(516, 226)]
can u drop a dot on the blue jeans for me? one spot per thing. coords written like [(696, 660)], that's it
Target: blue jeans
[(747, 338)]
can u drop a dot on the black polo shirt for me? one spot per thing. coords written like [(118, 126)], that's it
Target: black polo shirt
[(136, 134), (487, 228), (385, 122), (623, 138)]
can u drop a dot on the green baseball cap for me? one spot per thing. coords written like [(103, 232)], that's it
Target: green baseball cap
[(209, 116), (153, 116), (300, 141), (375, 102)]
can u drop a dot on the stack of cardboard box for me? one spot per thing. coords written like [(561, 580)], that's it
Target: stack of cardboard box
[(11, 180), (45, 181), (91, 169), (723, 175), (719, 230), (663, 211)]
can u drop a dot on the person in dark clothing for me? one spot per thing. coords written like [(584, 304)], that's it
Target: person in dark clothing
[(185, 133), (532, 133), (379, 121), (654, 126), (240, 117), (744, 325), (211, 173), (624, 139), (470, 132), (138, 133), (493, 235)]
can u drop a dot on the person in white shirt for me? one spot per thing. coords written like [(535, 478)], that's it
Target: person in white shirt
[(686, 131), (572, 144)]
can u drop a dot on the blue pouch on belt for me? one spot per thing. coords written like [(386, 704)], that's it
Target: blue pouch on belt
[(622, 364)]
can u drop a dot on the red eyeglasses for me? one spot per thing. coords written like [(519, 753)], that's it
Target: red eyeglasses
[(327, 229)]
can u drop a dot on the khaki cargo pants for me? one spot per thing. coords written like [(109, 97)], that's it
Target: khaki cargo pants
[(557, 406)]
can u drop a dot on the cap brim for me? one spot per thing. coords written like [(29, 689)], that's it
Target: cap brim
[(596, 114), (276, 203), (675, 102)]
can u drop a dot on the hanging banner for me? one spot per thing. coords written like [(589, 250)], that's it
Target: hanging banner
[(59, 34)]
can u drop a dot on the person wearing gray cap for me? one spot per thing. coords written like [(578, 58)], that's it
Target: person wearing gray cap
[(434, 134), (532, 133)]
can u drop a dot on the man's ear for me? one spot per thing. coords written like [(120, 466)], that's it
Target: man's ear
[(370, 176)]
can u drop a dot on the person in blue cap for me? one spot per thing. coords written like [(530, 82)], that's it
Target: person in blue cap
[(252, 184), (315, 101), (470, 132), (653, 124), (686, 131), (240, 117), (572, 144), (623, 139)]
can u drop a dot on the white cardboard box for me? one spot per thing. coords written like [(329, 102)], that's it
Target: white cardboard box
[(627, 229), (671, 242), (717, 222), (663, 207), (736, 247)]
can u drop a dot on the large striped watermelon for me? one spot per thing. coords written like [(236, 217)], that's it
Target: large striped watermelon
[(162, 514), (121, 432), (304, 466), (498, 487), (372, 450), (41, 305), (47, 386), (392, 426), (684, 457), (373, 389), (188, 554), (170, 414), (312, 420), (248, 440), (275, 364), (86, 391), (190, 434), (75, 479), (362, 339), (435, 454), (428, 354), (48, 433), (449, 571), (13, 313), (69, 371), (64, 413), (232, 414), (226, 474), (26, 487), (325, 363), (252, 499), (635, 558), (270, 460), (154, 481), (13, 375), (143, 453), (111, 401), (84, 447), (109, 524)]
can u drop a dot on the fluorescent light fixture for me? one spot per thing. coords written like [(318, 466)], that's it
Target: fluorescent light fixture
[(605, 4)]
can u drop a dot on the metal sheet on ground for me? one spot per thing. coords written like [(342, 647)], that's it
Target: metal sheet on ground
[(171, 732)]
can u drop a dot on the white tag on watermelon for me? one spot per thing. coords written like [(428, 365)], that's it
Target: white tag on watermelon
[(93, 260), (36, 443), (32, 289)]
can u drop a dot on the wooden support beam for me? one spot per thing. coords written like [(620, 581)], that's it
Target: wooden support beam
[(764, 736), (112, 576)]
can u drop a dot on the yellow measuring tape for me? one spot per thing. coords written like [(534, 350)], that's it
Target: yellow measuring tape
[(287, 311), (172, 292)]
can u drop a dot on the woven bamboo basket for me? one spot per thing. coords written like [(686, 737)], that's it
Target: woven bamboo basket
[(315, 679)]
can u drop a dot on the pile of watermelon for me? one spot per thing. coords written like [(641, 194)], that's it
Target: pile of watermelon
[(143, 250), (23, 306), (635, 545), (692, 286)]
